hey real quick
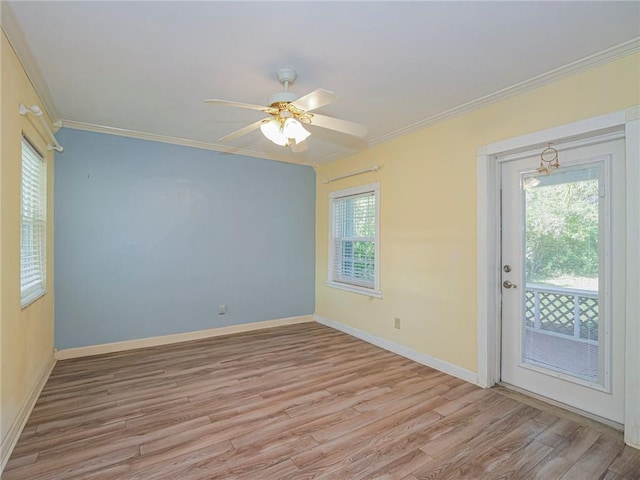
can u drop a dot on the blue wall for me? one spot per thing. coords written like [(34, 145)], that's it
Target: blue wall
[(150, 238)]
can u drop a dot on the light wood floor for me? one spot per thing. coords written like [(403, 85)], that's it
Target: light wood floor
[(299, 402)]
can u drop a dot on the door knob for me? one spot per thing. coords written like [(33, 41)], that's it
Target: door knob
[(508, 284)]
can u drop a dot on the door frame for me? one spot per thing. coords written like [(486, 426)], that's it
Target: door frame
[(488, 245)]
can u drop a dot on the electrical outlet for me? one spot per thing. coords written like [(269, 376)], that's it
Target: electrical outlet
[(222, 309), (396, 323)]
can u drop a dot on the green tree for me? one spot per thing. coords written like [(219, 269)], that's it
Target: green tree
[(562, 230)]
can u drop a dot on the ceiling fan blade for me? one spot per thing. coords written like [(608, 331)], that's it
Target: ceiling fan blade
[(344, 126), (227, 103), (243, 131), (316, 99)]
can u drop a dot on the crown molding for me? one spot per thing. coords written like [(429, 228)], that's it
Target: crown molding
[(573, 68), (20, 45), (123, 132)]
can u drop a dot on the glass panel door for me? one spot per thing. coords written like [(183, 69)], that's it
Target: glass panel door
[(563, 250), (563, 215)]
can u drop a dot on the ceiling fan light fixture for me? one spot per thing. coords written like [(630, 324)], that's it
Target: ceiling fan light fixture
[(284, 133), (293, 129), (271, 129)]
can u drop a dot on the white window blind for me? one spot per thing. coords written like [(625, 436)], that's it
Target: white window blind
[(33, 247), (354, 239)]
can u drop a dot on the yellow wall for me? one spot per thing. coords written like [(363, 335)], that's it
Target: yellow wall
[(428, 212), (26, 335)]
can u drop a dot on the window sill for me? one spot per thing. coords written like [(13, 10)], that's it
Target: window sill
[(25, 302), (369, 292)]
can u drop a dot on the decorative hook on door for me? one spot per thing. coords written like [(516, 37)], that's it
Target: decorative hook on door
[(548, 160)]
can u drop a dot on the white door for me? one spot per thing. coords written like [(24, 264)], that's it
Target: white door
[(563, 267)]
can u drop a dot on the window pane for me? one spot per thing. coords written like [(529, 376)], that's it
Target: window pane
[(34, 227), (354, 236), (562, 232)]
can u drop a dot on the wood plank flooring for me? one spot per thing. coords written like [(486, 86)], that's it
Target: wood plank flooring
[(300, 402)]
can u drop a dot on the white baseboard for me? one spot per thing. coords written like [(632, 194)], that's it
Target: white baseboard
[(13, 434), (440, 365), (176, 338)]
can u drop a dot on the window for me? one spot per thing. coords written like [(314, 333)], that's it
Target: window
[(33, 236), (354, 243)]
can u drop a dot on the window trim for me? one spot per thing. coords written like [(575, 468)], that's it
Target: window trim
[(32, 294), (349, 287)]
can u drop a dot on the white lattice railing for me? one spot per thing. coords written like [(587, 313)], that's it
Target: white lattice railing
[(563, 312)]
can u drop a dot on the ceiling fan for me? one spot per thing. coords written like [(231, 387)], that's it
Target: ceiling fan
[(289, 112)]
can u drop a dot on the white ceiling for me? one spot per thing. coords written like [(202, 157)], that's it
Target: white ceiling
[(146, 67)]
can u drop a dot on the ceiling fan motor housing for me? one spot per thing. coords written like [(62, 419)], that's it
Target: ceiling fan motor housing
[(283, 97)]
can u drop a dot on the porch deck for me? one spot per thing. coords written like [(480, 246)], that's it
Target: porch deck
[(562, 330)]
